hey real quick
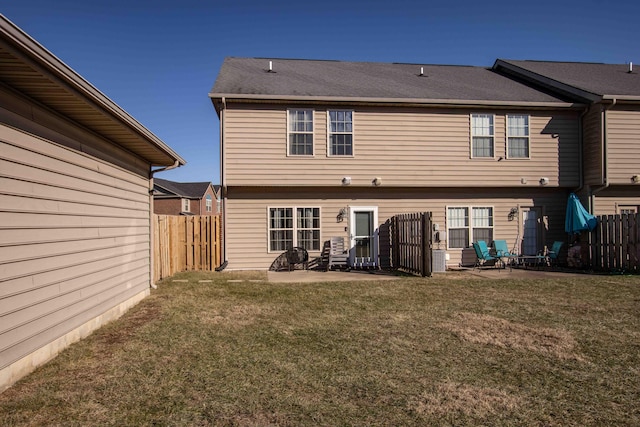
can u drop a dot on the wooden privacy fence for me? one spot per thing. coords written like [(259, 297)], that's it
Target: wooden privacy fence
[(183, 243), (615, 243), (411, 243)]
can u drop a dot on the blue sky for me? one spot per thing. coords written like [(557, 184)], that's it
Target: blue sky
[(159, 59)]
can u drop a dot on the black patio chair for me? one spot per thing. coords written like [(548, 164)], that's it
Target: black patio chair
[(297, 255)]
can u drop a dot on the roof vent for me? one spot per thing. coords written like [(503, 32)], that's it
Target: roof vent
[(422, 74), (630, 67), (270, 70)]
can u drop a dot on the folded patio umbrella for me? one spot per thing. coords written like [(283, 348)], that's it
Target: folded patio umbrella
[(577, 218)]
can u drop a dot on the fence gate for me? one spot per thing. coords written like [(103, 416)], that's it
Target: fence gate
[(411, 243), (615, 243)]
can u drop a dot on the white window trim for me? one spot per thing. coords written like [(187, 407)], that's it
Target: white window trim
[(185, 203), (470, 226), (313, 133), (507, 136), (353, 133), (471, 135), (295, 225), (208, 202), (627, 207)]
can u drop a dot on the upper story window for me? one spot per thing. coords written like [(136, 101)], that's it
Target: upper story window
[(208, 203), (469, 224), (482, 136), (518, 136), (340, 133), (185, 205), (300, 133)]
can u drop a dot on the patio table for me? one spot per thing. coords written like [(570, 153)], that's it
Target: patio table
[(537, 260)]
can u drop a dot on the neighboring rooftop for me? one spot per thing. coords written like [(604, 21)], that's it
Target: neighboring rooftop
[(592, 81), (263, 78), (188, 190)]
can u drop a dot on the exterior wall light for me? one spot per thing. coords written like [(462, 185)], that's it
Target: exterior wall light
[(346, 180), (544, 181), (635, 179), (377, 181)]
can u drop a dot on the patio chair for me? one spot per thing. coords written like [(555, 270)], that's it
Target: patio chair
[(502, 252), (338, 256), (552, 254), (295, 256), (483, 255)]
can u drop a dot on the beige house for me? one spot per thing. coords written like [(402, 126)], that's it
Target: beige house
[(75, 179), (610, 126), (316, 149)]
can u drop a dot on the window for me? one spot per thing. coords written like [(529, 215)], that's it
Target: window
[(300, 132), (291, 227), (518, 137), (185, 205), (208, 203), (341, 133), (627, 209), (482, 135), (469, 224)]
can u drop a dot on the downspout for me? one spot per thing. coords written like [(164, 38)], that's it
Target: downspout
[(223, 188), (605, 158), (151, 240), (581, 149)]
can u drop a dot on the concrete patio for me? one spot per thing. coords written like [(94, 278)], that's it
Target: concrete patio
[(309, 276)]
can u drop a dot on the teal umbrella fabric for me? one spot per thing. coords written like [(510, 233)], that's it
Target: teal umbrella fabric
[(577, 218)]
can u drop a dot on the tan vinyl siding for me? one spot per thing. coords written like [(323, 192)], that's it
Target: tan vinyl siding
[(247, 225), (608, 201), (74, 238), (623, 144), (592, 146), (403, 146)]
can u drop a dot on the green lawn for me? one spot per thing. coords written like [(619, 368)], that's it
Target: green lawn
[(449, 350)]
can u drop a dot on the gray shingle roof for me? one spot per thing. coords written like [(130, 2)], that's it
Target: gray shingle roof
[(189, 190), (597, 79), (364, 81)]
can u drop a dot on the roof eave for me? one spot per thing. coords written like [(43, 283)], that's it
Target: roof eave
[(228, 97), (631, 99), (82, 88), (545, 81)]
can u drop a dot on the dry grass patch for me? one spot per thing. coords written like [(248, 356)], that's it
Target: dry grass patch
[(236, 316), (452, 398), (485, 329)]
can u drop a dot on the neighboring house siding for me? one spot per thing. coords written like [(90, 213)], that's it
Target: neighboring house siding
[(610, 200), (214, 204), (74, 235), (167, 206), (405, 147), (592, 146), (247, 214), (623, 145)]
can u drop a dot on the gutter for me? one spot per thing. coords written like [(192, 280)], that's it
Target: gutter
[(386, 101), (605, 159), (581, 148)]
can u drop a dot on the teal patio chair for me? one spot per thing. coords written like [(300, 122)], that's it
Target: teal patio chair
[(483, 255), (502, 252), (552, 254)]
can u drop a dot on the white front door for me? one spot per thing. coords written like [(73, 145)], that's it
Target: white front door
[(363, 233)]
